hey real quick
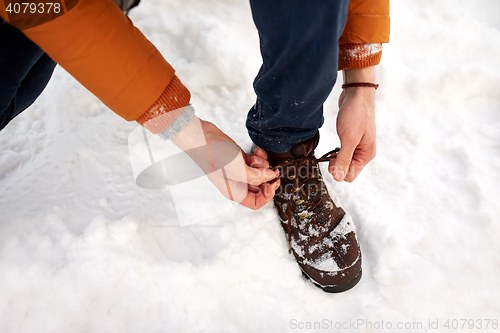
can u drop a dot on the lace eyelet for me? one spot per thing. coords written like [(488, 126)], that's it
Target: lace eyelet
[(299, 202)]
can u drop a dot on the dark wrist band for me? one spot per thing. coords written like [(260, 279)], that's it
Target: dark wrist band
[(360, 84)]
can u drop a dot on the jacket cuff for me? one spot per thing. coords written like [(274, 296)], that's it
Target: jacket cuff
[(178, 124), (169, 106), (359, 55)]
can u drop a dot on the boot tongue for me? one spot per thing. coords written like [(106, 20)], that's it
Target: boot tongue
[(302, 149)]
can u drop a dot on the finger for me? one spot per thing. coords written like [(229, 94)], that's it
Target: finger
[(261, 153), (257, 176), (254, 189), (257, 162), (339, 166), (238, 170), (257, 200), (259, 158), (249, 196), (354, 170)]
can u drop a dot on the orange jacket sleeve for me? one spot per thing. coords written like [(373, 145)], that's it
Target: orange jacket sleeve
[(99, 46), (367, 27)]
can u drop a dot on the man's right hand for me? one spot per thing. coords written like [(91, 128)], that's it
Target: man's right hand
[(239, 176)]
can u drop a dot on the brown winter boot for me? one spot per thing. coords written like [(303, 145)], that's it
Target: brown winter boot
[(320, 235)]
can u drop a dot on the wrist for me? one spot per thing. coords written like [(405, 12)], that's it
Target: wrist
[(191, 135), (359, 83), (365, 74)]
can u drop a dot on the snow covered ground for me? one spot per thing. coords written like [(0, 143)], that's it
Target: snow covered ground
[(83, 249)]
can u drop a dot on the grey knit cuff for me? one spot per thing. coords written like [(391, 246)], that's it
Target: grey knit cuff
[(178, 124)]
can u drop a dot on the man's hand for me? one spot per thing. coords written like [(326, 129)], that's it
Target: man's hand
[(355, 126), (239, 176)]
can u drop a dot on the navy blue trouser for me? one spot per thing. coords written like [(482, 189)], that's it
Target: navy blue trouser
[(299, 47), (25, 70)]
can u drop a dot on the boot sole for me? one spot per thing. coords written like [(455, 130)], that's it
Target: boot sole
[(339, 288)]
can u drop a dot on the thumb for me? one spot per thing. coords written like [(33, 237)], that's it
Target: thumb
[(257, 176), (340, 165)]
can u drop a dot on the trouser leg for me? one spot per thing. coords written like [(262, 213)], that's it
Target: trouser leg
[(25, 70), (299, 47)]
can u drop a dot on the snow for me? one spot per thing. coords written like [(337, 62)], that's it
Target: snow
[(365, 51), (83, 249)]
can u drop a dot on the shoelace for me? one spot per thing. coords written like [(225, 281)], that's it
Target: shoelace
[(297, 164)]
